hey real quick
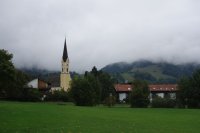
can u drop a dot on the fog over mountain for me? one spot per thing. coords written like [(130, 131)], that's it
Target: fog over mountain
[(99, 32)]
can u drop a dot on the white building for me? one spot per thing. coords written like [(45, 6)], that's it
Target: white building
[(37, 83)]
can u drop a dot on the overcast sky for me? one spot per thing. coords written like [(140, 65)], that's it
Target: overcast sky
[(99, 32)]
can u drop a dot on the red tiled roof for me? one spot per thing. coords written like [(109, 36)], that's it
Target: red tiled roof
[(123, 87), (163, 87), (153, 87)]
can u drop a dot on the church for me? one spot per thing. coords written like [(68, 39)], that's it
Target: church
[(65, 78), (65, 75)]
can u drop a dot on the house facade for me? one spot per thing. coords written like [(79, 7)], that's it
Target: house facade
[(123, 91), (156, 90), (38, 83), (163, 91)]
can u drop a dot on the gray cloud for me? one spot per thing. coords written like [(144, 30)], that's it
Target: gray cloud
[(99, 32)]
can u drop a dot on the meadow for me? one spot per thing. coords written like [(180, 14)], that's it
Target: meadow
[(25, 117)]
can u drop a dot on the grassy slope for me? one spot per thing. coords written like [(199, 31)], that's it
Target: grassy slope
[(127, 76), (154, 70), (54, 118)]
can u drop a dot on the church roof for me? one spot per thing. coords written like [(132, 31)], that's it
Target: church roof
[(65, 54)]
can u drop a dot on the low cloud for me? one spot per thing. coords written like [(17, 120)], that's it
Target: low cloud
[(99, 32)]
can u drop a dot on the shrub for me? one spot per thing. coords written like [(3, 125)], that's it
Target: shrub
[(57, 96), (110, 101), (163, 103), (31, 94), (83, 92)]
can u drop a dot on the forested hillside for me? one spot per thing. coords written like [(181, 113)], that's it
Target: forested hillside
[(161, 72)]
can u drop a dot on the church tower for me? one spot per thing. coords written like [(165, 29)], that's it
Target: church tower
[(65, 76)]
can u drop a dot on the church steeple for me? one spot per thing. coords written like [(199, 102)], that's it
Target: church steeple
[(65, 75), (65, 54)]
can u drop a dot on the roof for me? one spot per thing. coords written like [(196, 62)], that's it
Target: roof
[(163, 87), (65, 54), (123, 87), (152, 87), (38, 79)]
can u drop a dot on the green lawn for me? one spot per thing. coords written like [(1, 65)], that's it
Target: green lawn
[(17, 117)]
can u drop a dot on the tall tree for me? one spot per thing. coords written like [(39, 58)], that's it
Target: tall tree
[(7, 72), (82, 92), (189, 90), (95, 86), (11, 80), (107, 86), (94, 71), (139, 94)]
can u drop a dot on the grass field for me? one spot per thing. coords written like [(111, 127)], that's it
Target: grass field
[(17, 117)]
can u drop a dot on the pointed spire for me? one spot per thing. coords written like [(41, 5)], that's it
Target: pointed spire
[(65, 55)]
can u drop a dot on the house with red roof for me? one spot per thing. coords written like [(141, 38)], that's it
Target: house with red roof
[(156, 90), (123, 91), (163, 90)]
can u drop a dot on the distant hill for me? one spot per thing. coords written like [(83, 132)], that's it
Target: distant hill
[(161, 72)]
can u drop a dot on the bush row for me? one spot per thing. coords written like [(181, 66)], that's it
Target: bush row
[(163, 103)]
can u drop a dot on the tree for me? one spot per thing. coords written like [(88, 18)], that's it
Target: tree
[(184, 88), (93, 88), (7, 72), (82, 92), (11, 79), (94, 71), (189, 90), (107, 86), (140, 94), (16, 91)]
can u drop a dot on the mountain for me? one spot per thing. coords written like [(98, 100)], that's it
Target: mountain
[(161, 72)]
